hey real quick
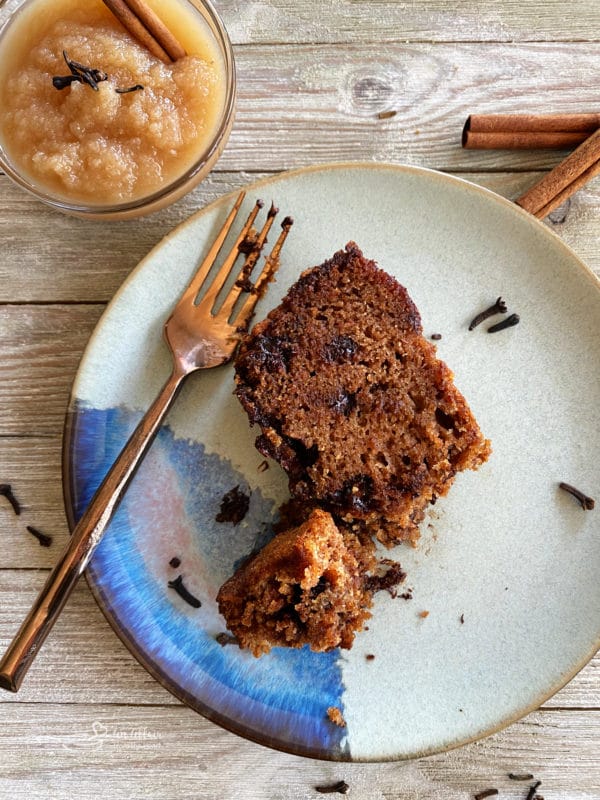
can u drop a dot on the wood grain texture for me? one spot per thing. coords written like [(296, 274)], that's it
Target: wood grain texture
[(51, 258), (63, 751), (326, 98), (40, 348), (347, 21), (33, 468), (48, 256)]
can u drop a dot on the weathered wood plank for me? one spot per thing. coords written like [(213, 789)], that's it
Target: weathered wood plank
[(84, 661), (48, 257), (33, 468), (436, 20), (325, 100), (63, 751), (40, 348)]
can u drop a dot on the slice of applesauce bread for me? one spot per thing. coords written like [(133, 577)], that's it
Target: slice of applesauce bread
[(353, 402)]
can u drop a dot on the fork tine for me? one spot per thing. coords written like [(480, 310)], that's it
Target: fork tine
[(213, 290), (227, 266), (249, 264), (269, 269), (195, 284)]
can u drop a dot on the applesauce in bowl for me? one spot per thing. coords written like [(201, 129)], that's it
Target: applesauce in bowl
[(135, 134)]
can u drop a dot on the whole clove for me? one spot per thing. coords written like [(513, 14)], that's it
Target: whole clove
[(486, 793), (532, 790), (184, 593), (80, 69), (175, 562), (436, 337), (136, 88), (62, 81), (587, 503), (520, 776), (499, 307), (6, 491), (341, 787), (43, 538), (509, 322), (79, 74)]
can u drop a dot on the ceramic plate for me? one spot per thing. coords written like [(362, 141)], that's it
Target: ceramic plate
[(508, 564)]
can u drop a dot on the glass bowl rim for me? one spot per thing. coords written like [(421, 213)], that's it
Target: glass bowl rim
[(176, 187)]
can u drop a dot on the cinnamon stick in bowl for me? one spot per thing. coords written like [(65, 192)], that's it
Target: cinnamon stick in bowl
[(527, 131), (145, 26)]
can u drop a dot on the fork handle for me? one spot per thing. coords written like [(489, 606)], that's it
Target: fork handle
[(86, 535)]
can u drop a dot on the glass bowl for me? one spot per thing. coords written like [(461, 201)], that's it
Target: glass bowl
[(170, 191)]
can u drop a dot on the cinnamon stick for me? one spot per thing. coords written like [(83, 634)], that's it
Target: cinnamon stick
[(522, 140), (527, 131), (564, 180), (144, 25), (157, 28)]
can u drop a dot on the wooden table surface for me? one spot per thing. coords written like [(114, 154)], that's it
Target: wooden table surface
[(313, 77)]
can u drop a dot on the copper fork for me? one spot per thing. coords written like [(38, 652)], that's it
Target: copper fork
[(200, 335)]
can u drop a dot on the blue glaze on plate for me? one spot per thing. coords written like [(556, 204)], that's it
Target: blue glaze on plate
[(281, 698)]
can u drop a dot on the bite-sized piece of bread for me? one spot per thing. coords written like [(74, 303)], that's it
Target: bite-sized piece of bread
[(308, 585), (352, 400)]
